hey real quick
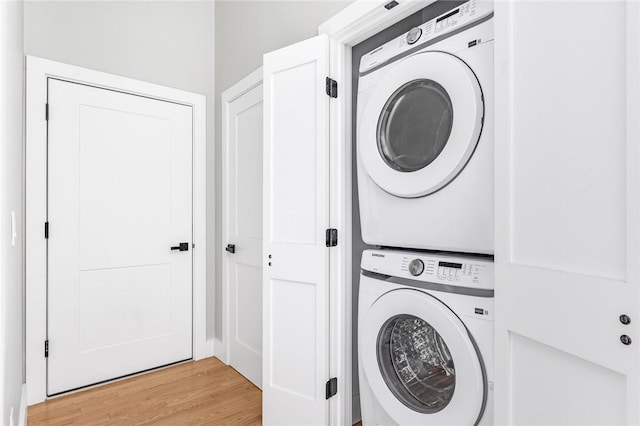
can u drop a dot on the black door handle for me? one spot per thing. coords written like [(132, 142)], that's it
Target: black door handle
[(181, 247), (231, 248)]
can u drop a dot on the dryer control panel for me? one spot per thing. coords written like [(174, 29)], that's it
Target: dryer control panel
[(442, 268), (433, 30)]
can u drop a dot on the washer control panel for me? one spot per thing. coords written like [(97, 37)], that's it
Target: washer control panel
[(450, 21), (442, 268)]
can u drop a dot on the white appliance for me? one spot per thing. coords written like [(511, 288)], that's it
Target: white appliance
[(425, 342), (425, 135)]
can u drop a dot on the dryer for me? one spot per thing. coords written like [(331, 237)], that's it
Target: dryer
[(425, 135), (425, 339)]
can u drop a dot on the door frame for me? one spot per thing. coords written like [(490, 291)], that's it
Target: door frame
[(239, 89), (38, 70), (354, 24)]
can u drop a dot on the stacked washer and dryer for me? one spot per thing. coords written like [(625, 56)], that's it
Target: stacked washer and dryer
[(425, 182)]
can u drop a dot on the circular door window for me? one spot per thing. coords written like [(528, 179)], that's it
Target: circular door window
[(419, 360), (414, 125), (416, 364), (421, 123)]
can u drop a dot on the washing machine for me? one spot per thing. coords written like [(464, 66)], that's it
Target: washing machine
[(425, 339), (425, 135)]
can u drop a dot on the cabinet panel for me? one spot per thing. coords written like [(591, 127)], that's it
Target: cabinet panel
[(552, 387), (295, 144), (293, 346), (568, 136)]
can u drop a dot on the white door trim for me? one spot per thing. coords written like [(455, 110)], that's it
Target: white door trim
[(243, 86), (37, 72), (354, 24)]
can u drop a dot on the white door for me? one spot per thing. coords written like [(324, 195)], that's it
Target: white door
[(119, 199), (296, 216), (242, 224), (567, 213)]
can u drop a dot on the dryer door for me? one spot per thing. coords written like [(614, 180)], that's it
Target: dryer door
[(420, 361), (421, 124)]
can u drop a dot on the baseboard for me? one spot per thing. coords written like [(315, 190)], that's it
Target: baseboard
[(22, 421), (209, 348), (220, 351)]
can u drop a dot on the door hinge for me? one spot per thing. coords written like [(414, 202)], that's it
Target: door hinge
[(332, 237), (46, 229), (46, 112), (46, 348), (332, 88), (331, 387)]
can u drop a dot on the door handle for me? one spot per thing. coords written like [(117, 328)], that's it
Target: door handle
[(181, 247), (231, 248)]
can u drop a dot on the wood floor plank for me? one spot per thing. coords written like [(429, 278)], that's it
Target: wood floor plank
[(204, 392)]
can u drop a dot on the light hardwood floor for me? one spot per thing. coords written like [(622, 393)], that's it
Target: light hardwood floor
[(205, 392)]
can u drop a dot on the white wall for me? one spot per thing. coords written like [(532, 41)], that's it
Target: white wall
[(245, 31), (162, 42), (11, 184)]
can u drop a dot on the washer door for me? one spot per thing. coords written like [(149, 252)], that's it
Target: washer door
[(420, 361), (421, 124)]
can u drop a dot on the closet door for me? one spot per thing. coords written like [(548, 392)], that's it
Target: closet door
[(242, 225), (567, 212), (296, 216)]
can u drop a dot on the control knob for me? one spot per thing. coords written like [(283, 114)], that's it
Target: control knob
[(414, 35), (416, 267)]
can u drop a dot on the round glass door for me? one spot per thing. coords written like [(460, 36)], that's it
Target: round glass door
[(421, 123), (414, 125), (419, 360), (416, 364)]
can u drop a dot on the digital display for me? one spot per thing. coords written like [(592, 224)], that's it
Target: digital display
[(450, 265), (442, 18)]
